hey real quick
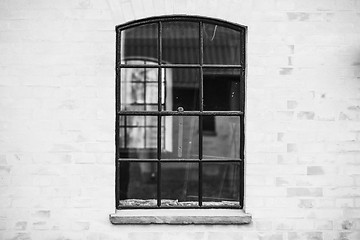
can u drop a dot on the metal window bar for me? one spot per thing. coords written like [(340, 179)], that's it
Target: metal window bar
[(179, 66), (184, 113), (187, 160), (161, 113), (145, 103), (117, 109), (201, 103), (158, 183)]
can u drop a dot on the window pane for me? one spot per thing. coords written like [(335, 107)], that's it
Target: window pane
[(221, 45), (225, 142), (138, 137), (182, 89), (221, 89), (140, 43), (139, 88), (180, 42), (221, 182), (179, 183), (181, 137), (138, 181), (126, 121)]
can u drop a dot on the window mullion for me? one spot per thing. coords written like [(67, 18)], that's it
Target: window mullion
[(117, 118), (242, 118), (158, 183), (242, 165), (201, 101)]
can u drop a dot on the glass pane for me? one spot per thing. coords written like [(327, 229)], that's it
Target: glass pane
[(181, 137), (225, 140), (180, 42), (138, 137), (179, 183), (138, 181), (182, 89), (221, 45), (221, 89), (150, 138), (132, 121), (140, 43), (139, 88), (221, 182)]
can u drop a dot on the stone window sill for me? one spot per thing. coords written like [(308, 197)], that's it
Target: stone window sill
[(181, 217)]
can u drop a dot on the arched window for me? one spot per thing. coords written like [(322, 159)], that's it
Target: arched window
[(180, 97)]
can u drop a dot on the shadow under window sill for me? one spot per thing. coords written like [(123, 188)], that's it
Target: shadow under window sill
[(181, 217)]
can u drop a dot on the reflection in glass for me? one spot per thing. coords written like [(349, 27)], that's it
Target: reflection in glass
[(139, 87), (183, 89), (221, 45), (138, 181), (138, 137), (225, 141), (140, 43), (221, 182), (182, 142), (179, 181), (180, 42), (221, 89)]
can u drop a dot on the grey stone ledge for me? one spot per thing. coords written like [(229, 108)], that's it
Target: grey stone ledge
[(181, 216)]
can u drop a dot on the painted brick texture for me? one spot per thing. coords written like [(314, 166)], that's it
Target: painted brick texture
[(57, 118)]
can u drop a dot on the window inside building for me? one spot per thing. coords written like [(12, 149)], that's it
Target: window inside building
[(180, 97)]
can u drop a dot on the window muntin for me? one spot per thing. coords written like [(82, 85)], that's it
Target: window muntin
[(171, 65)]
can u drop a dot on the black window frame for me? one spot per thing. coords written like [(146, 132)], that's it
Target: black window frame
[(161, 113)]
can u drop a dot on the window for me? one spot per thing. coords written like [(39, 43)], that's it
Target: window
[(180, 97)]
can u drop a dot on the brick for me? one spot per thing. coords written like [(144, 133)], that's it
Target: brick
[(21, 225), (305, 236), (52, 158), (324, 213), (305, 115), (323, 225), (347, 225), (307, 225), (315, 170), (292, 104), (304, 192), (284, 5), (3, 225), (42, 180), (229, 235), (21, 202), (344, 202), (325, 203), (41, 214), (17, 235), (291, 147), (271, 236), (81, 226), (262, 225), (306, 203), (149, 235), (83, 158), (41, 225), (342, 192), (287, 224)]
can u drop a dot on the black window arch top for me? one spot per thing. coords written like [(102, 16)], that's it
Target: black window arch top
[(180, 108)]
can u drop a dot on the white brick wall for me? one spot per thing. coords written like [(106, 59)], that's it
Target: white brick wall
[(57, 118)]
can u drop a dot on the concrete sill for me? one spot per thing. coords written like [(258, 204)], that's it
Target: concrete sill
[(181, 217)]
